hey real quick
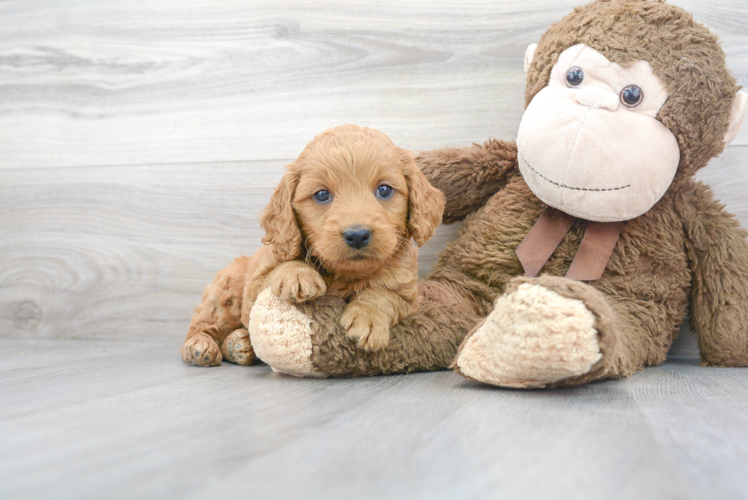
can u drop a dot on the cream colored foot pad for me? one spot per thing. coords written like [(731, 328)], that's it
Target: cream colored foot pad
[(533, 337), (281, 336)]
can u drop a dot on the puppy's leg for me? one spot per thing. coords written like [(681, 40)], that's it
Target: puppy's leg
[(370, 315), (217, 316), (296, 281), (237, 348)]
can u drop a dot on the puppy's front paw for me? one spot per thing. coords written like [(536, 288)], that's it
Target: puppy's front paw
[(298, 284), (366, 325), (201, 350)]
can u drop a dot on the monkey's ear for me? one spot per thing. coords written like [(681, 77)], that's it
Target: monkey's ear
[(737, 115), (425, 204), (529, 54), (278, 219)]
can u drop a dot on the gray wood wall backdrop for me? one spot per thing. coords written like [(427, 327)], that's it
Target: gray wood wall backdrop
[(139, 140)]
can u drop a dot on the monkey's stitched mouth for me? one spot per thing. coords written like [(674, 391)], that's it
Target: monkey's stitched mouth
[(570, 187)]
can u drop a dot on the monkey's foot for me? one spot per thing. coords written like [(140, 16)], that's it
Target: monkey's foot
[(281, 335), (237, 348), (536, 336), (201, 350)]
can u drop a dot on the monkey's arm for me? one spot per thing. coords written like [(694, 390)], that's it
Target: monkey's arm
[(468, 176), (718, 255)]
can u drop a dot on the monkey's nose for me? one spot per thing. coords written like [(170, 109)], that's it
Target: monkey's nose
[(595, 97), (357, 237)]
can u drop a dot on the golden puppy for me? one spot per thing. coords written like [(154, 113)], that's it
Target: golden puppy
[(339, 222)]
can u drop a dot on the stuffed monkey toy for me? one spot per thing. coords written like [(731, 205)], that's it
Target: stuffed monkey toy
[(586, 242)]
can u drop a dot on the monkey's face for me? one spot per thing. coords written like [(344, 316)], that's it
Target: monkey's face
[(590, 144)]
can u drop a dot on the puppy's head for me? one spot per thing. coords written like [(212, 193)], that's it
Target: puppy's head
[(357, 199)]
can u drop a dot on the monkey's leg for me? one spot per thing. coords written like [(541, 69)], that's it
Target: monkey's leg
[(306, 340), (552, 331), (217, 321), (718, 256)]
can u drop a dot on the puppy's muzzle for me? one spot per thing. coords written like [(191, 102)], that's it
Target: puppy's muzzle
[(357, 236)]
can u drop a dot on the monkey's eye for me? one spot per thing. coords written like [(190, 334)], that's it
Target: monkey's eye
[(322, 196), (574, 77), (384, 192), (631, 96)]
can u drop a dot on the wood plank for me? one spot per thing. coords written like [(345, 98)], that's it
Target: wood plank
[(136, 421), (141, 82), (676, 399)]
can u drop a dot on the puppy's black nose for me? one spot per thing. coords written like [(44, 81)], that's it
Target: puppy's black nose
[(357, 237)]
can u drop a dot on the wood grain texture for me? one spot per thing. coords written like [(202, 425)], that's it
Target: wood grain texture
[(118, 83), (106, 419)]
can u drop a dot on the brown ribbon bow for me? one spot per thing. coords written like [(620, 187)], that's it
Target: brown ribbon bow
[(546, 234)]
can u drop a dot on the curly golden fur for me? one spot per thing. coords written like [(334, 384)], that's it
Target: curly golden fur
[(306, 252)]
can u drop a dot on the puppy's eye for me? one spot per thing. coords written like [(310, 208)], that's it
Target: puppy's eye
[(384, 192), (574, 77), (322, 196)]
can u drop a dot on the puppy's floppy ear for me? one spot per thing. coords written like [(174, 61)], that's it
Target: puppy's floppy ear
[(278, 219), (425, 204)]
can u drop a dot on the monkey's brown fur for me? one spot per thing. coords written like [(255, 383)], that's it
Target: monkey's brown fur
[(684, 254), (305, 254)]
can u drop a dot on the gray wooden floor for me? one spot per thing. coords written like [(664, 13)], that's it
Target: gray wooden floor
[(139, 141), (112, 419)]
